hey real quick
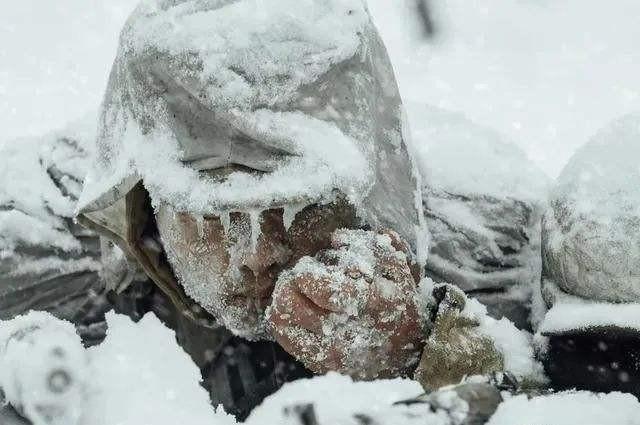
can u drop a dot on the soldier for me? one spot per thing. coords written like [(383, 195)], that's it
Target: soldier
[(252, 163), (590, 261), (233, 144)]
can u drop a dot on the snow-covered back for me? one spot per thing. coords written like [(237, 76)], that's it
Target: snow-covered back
[(458, 156), (601, 180), (591, 233)]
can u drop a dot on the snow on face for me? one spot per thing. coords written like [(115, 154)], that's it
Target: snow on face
[(229, 264)]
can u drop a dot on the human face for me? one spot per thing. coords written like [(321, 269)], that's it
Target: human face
[(230, 270)]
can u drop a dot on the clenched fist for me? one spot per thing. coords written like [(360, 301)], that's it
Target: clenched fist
[(352, 308)]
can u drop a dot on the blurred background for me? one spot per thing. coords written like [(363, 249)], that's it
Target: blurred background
[(546, 73)]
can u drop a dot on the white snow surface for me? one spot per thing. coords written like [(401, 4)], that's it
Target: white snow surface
[(569, 316), (601, 180), (137, 375), (569, 408), (337, 399), (140, 369)]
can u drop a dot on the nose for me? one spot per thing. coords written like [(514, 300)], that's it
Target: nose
[(269, 256)]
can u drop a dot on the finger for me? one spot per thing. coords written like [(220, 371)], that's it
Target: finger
[(396, 241), (333, 293), (290, 307), (314, 351)]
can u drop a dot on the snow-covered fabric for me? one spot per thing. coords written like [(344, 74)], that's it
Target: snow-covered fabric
[(591, 232), (300, 92), (47, 261), (483, 199)]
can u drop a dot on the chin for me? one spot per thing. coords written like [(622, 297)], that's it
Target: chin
[(250, 325)]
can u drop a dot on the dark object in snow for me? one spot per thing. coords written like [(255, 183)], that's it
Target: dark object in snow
[(426, 17), (490, 258), (9, 416), (600, 359), (455, 349), (304, 413), (482, 400)]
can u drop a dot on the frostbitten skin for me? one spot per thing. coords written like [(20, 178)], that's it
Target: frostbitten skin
[(219, 268), (352, 308), (230, 269)]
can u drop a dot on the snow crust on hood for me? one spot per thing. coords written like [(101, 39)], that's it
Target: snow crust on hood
[(243, 60), (297, 97)]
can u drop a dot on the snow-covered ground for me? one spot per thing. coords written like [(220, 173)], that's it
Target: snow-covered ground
[(128, 370)]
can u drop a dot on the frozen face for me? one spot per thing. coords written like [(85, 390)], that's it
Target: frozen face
[(229, 264)]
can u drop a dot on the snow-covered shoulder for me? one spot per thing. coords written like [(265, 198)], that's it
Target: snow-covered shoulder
[(42, 178), (461, 157)]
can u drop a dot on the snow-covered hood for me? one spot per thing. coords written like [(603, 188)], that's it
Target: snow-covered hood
[(591, 231), (301, 91)]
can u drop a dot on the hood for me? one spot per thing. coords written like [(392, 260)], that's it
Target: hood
[(300, 93)]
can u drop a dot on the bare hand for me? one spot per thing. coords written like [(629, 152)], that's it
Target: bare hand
[(352, 308)]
